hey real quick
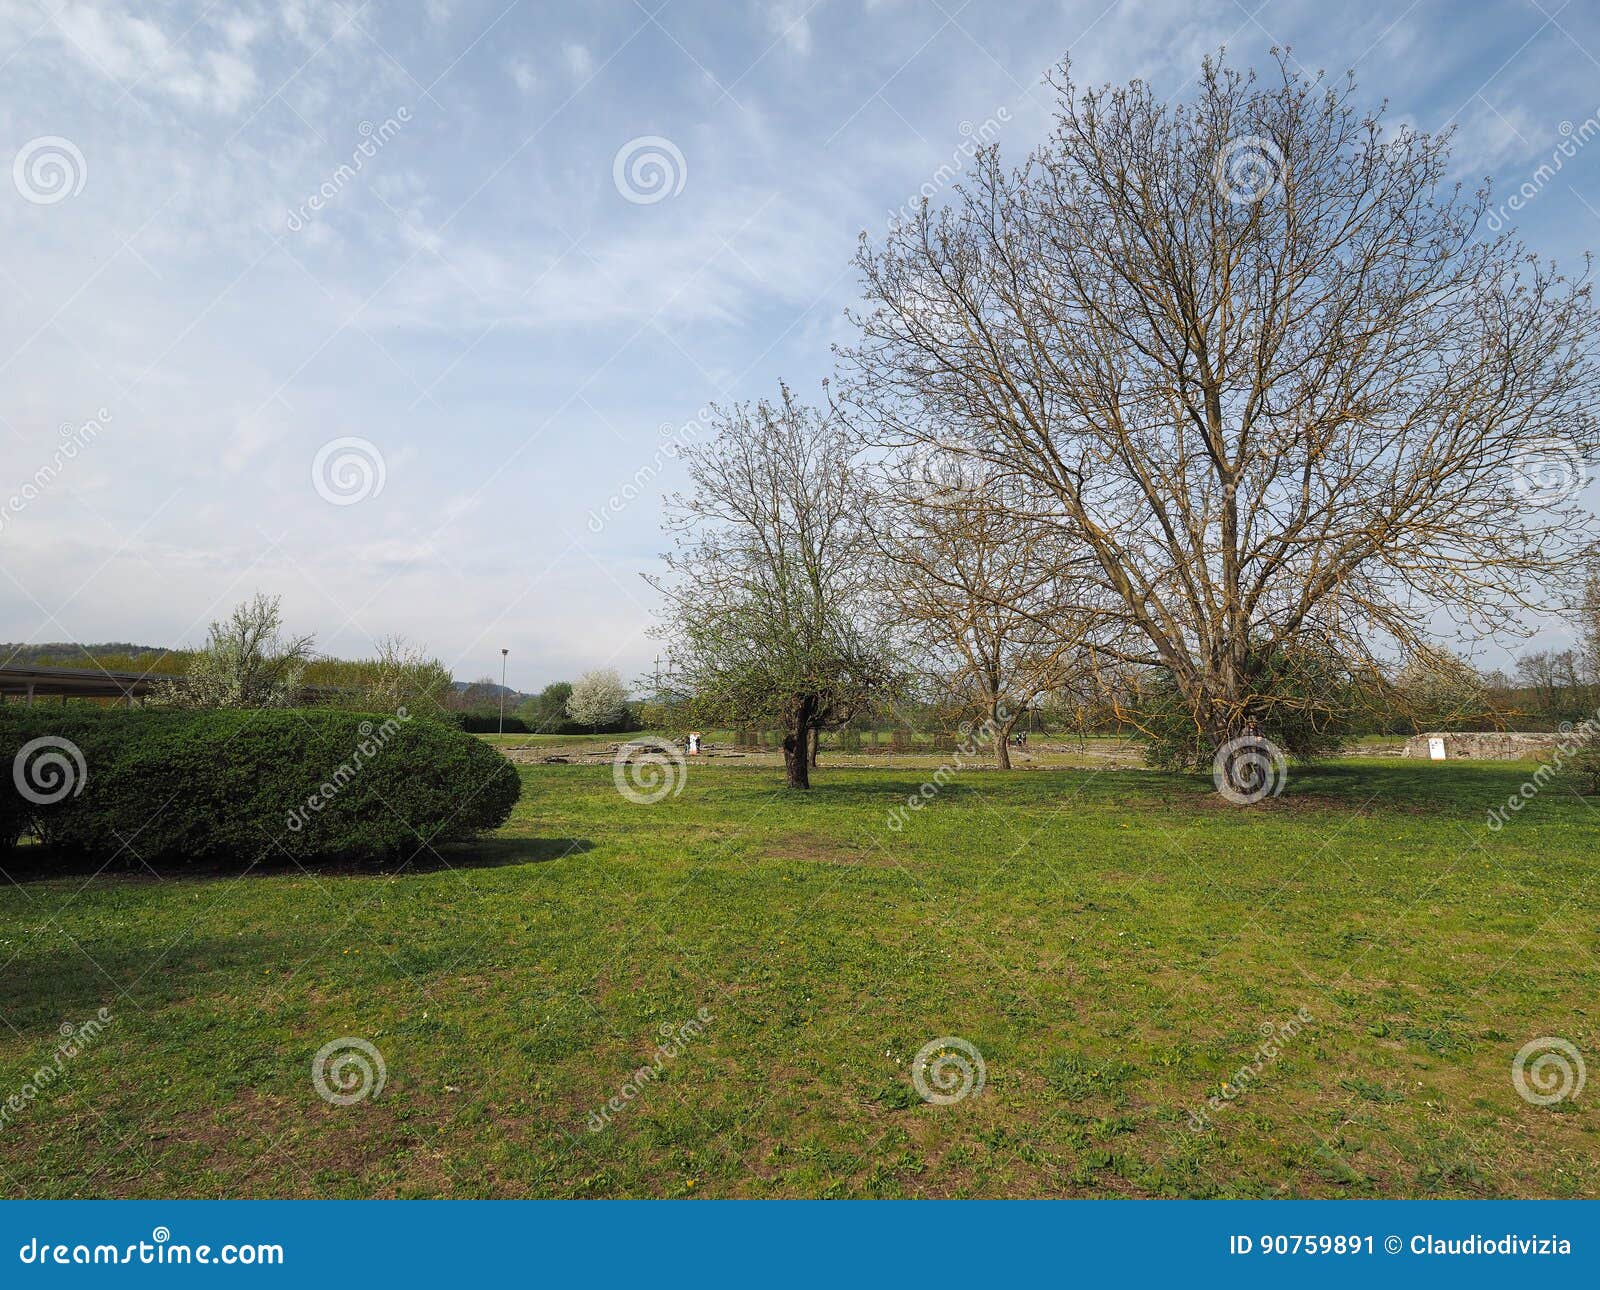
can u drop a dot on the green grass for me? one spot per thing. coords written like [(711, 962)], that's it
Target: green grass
[(1113, 944), (551, 741)]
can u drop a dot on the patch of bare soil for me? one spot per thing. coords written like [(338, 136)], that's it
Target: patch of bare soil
[(815, 850)]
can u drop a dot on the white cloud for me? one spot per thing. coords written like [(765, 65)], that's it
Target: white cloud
[(789, 21), (580, 62), (135, 51), (522, 75)]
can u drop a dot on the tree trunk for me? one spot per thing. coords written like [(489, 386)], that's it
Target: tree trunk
[(796, 748), (816, 741), (1002, 749)]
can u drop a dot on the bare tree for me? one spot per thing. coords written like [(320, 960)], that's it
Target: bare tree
[(1256, 353), (764, 586), (984, 595), (403, 675)]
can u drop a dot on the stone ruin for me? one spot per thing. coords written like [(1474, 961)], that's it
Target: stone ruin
[(1486, 745)]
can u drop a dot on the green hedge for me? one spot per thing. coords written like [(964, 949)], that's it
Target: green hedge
[(173, 786)]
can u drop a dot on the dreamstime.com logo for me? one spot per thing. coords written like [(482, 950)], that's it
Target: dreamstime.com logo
[(1573, 739), (75, 1038), (1274, 1035), (1548, 1070), (159, 1249), (348, 470), (673, 442), (947, 1070), (48, 769), (973, 740), (646, 771), (373, 139), (1573, 140), (973, 138), (48, 170), (348, 1070), (372, 742), (74, 439), (649, 169), (675, 1040), (1248, 168), (944, 473), (1249, 769), (1549, 471)]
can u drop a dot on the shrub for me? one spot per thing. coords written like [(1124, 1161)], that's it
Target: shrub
[(1304, 699), (476, 723), (1586, 766), (180, 785)]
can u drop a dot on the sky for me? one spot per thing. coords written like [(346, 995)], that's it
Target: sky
[(385, 308)]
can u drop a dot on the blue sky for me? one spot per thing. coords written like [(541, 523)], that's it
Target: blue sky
[(513, 319)]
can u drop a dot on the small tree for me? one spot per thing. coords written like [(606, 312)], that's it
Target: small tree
[(764, 618), (598, 699), (546, 712), (401, 675), (247, 662), (985, 598)]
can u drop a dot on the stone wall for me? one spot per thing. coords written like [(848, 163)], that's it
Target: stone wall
[(1487, 745)]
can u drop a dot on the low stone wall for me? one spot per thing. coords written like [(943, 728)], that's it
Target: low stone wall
[(1488, 745)]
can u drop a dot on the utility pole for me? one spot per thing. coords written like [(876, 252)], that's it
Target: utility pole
[(503, 654)]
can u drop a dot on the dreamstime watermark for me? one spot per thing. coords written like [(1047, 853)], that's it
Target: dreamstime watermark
[(160, 1250), (942, 472), (372, 741), (348, 470), (1573, 739), (649, 770), (1274, 1035), (968, 748), (948, 1069), (1548, 1070), (373, 139), (649, 169), (1573, 139), (673, 442), (74, 439), (48, 769), (675, 1041), (1249, 769), (48, 170), (75, 1038), (1549, 471), (973, 137), (1246, 169), (348, 1070)]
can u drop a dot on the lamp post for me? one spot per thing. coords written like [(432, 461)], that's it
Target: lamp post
[(503, 654)]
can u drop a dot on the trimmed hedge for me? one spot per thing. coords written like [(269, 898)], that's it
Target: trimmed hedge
[(246, 785), (475, 723)]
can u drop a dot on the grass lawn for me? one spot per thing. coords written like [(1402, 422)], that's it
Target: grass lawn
[(1116, 944)]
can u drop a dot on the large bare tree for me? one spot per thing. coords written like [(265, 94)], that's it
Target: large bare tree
[(765, 584), (1262, 358)]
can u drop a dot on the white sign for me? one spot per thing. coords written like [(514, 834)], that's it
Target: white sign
[(1435, 749)]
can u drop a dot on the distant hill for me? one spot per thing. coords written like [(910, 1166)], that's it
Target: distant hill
[(68, 653), (493, 689)]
